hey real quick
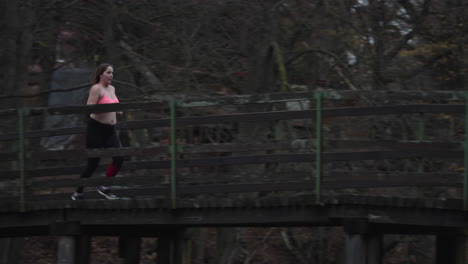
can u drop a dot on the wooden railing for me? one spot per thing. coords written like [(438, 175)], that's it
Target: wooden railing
[(301, 150)]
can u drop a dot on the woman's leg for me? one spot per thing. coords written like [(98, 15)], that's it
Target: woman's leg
[(94, 139), (112, 170), (114, 167), (89, 170)]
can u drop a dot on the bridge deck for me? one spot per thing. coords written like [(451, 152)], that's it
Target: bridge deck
[(149, 217)]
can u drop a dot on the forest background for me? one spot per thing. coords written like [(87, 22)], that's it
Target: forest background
[(194, 47)]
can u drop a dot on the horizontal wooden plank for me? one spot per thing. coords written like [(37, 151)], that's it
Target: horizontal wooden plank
[(393, 110), (332, 180), (5, 156), (8, 112), (335, 179), (155, 179), (42, 172), (355, 145), (253, 159), (303, 114), (310, 157), (259, 116), (328, 145), (44, 133), (131, 193), (80, 154), (328, 94), (83, 109), (8, 136), (398, 180), (372, 179), (382, 155), (97, 181), (197, 101)]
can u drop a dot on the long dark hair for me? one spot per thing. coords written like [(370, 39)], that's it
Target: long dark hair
[(96, 78), (99, 70)]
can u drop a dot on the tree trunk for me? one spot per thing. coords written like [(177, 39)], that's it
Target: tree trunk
[(376, 13), (10, 59), (110, 43), (18, 48)]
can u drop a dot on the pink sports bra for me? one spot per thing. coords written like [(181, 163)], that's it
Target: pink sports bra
[(106, 100)]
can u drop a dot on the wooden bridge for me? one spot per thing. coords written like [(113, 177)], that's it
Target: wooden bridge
[(375, 162)]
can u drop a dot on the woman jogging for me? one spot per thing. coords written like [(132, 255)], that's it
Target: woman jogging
[(100, 131)]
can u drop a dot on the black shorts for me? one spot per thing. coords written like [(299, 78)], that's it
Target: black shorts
[(99, 135)]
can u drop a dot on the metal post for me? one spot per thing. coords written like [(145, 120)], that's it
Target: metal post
[(21, 159), (465, 159), (173, 151), (318, 145)]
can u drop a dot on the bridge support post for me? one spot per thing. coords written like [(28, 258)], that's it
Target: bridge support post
[(83, 249), (363, 249), (164, 250), (72, 246), (174, 249), (129, 249), (362, 246), (73, 249), (66, 250), (450, 249)]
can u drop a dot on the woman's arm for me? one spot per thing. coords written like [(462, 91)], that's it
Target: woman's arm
[(94, 94)]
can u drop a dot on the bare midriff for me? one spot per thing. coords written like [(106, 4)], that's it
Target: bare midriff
[(108, 118)]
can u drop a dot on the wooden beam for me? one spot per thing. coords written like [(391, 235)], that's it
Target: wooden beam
[(83, 109), (150, 217), (65, 228), (254, 117), (336, 145), (200, 101), (153, 186), (244, 160), (300, 114)]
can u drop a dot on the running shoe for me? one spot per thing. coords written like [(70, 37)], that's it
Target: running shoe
[(77, 196), (106, 192)]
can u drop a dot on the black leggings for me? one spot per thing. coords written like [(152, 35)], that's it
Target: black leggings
[(99, 135)]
